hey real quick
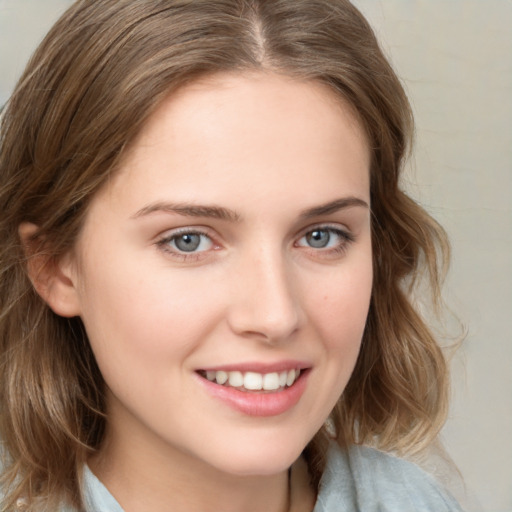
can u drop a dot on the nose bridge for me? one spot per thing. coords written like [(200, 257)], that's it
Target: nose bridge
[(266, 303)]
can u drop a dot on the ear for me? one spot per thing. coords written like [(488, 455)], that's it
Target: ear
[(54, 281)]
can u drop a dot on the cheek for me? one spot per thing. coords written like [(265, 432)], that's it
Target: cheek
[(337, 313), (341, 308), (151, 317)]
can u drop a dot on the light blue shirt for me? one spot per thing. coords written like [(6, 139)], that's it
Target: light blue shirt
[(360, 479)]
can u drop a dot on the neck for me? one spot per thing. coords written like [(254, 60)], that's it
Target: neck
[(141, 481)]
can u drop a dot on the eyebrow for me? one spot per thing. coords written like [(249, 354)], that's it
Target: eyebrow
[(189, 210), (219, 212), (333, 207)]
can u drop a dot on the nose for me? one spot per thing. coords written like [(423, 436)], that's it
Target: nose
[(264, 302)]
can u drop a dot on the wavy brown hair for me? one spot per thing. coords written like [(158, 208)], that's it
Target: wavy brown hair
[(85, 95)]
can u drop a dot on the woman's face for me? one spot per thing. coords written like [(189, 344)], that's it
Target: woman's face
[(234, 243)]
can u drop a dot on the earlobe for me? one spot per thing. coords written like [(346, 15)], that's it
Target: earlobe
[(53, 280)]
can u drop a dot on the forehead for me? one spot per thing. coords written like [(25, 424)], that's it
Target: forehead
[(256, 132), (238, 98)]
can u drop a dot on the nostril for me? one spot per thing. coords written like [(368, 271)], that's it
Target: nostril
[(265, 303)]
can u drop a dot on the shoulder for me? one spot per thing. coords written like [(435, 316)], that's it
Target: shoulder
[(21, 503), (96, 497), (362, 478)]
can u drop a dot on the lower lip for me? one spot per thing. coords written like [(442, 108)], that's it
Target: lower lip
[(258, 404)]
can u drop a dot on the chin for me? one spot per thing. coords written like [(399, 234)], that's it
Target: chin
[(251, 458), (249, 467)]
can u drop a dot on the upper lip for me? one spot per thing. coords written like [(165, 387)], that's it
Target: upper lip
[(259, 367)]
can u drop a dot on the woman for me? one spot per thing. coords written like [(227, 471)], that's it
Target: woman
[(208, 266)]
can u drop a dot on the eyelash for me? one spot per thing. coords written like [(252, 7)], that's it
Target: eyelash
[(346, 239), (164, 243)]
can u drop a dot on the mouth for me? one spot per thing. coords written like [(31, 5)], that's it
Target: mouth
[(256, 389), (251, 382)]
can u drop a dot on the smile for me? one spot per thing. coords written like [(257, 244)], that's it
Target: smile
[(253, 381), (273, 390)]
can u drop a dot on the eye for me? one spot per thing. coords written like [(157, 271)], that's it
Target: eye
[(325, 238), (319, 239), (186, 242)]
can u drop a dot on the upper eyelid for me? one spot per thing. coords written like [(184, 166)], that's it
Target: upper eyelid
[(333, 226), (206, 231), (167, 236), (346, 236), (196, 230), (163, 244)]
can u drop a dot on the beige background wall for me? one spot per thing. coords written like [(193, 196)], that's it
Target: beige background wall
[(455, 58)]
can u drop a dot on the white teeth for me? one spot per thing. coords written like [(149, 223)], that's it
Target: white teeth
[(236, 379), (271, 382), (253, 381), (290, 379), (221, 377)]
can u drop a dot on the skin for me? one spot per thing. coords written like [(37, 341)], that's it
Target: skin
[(267, 148)]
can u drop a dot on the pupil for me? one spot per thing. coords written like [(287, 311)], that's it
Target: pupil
[(318, 238), (188, 243)]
